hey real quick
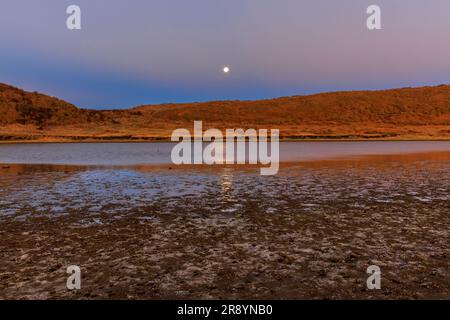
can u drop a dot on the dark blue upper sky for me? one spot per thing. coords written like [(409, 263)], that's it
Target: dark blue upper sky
[(152, 51)]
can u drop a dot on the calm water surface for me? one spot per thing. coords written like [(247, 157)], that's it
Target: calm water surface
[(159, 153)]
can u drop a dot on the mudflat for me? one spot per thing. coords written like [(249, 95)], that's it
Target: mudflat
[(146, 232)]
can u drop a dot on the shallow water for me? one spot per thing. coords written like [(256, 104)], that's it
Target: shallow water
[(413, 179), (159, 153)]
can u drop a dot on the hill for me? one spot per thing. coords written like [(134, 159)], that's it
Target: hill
[(407, 113), (20, 107)]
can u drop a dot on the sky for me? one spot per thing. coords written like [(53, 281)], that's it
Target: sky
[(138, 52)]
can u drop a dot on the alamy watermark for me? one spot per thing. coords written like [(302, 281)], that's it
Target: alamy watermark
[(374, 19), (235, 146), (74, 280), (73, 22), (374, 280)]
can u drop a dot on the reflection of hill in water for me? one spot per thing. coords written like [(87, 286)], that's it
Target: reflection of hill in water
[(22, 169)]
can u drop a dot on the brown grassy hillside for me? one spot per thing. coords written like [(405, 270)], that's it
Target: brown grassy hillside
[(414, 106), (20, 107), (409, 113)]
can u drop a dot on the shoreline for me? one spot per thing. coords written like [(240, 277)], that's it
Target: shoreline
[(168, 140)]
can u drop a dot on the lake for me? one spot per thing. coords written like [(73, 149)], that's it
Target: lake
[(140, 230)]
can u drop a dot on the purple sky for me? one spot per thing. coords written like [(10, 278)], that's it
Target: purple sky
[(152, 51)]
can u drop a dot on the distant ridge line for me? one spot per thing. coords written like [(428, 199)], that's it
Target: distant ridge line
[(419, 112)]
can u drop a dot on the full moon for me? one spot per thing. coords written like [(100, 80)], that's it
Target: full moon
[(226, 69)]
